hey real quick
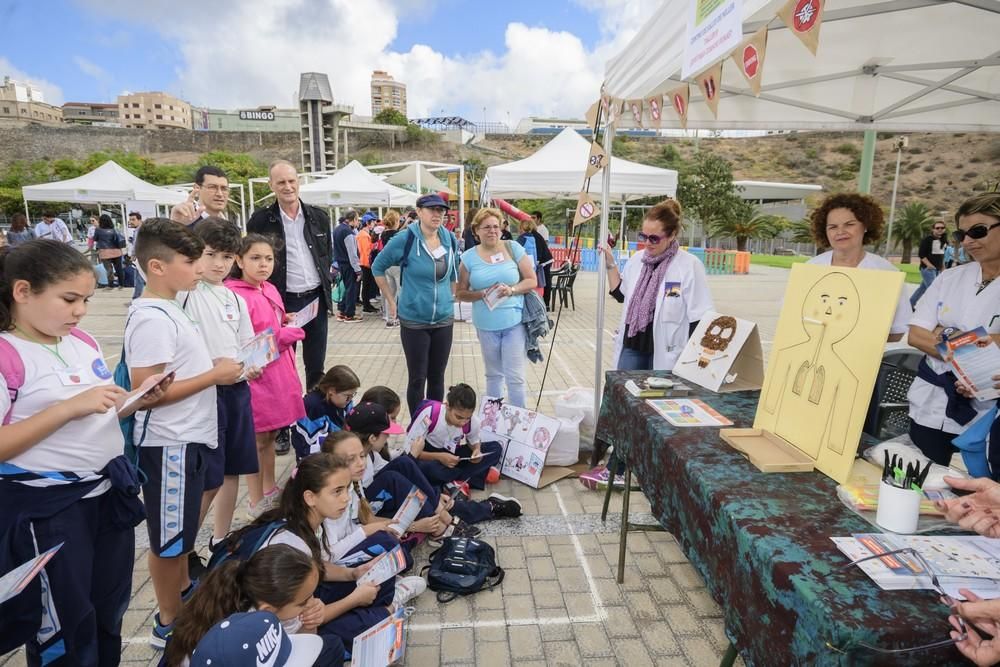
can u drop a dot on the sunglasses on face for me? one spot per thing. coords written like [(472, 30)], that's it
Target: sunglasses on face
[(975, 232), (651, 239)]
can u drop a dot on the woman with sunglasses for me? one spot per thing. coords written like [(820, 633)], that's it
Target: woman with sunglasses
[(844, 223), (960, 299), (665, 292)]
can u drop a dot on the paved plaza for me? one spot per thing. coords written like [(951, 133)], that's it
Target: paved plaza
[(560, 603)]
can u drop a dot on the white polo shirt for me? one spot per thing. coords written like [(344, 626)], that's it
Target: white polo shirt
[(222, 317), (901, 319), (951, 301), (441, 436), (300, 269)]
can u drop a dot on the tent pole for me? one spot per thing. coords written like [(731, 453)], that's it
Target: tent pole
[(602, 272), (621, 237), (27, 213), (461, 197), (867, 162)]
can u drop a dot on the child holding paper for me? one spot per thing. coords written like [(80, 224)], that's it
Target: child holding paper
[(276, 396), (326, 405)]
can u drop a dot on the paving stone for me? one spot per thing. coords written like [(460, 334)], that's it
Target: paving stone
[(681, 619), (659, 638), (525, 642), (642, 606), (562, 654), (519, 607), (573, 580), (489, 599), (546, 594), (685, 575), (541, 568), (632, 653), (703, 603), (669, 551), (564, 555), (456, 611), (638, 542), (423, 655), (590, 545), (511, 558), (555, 625), (609, 591), (535, 546), (620, 623), (592, 640), (516, 582), (649, 565), (493, 654), (424, 636), (700, 652), (665, 590), (457, 646), (491, 626)]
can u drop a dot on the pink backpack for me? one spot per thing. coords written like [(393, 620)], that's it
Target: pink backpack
[(12, 367)]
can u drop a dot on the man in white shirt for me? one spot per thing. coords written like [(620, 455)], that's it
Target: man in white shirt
[(208, 198), (53, 228), (540, 226)]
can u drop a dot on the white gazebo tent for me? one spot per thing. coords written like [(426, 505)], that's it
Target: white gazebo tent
[(355, 185), (419, 178), (108, 184)]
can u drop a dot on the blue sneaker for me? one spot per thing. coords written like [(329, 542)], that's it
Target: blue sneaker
[(161, 633), (189, 591)]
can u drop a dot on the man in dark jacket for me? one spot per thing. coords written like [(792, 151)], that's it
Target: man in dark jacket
[(302, 260)]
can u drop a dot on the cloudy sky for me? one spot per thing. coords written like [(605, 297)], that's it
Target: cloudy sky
[(516, 57)]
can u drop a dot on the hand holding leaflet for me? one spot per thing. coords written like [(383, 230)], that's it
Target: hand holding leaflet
[(305, 316), (407, 512), (382, 644), (146, 388), (976, 359), (385, 567), (495, 295), (261, 350)]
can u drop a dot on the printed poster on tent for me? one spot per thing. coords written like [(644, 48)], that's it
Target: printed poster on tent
[(524, 436), (714, 29)]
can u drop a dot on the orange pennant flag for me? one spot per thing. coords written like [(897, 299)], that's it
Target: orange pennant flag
[(655, 105), (598, 158), (709, 82), (635, 107), (678, 99), (586, 209), (749, 57), (803, 18)]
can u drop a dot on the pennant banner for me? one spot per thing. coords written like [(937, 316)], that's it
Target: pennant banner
[(709, 82), (678, 99), (586, 209), (803, 18), (655, 105), (591, 115), (598, 158), (749, 57), (635, 107)]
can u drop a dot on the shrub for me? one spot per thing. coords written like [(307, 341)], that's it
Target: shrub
[(847, 149)]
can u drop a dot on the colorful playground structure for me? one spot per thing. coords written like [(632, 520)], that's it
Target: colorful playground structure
[(716, 260)]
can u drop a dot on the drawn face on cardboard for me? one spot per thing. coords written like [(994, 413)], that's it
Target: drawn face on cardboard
[(833, 303), (719, 333)]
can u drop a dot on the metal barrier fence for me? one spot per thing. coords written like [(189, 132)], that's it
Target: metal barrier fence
[(716, 261)]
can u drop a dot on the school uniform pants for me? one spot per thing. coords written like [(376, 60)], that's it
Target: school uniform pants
[(393, 482), (426, 352), (349, 301), (473, 472), (934, 443), (314, 344), (352, 623), (86, 586)]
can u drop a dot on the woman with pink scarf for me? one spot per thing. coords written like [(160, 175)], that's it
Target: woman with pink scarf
[(664, 290)]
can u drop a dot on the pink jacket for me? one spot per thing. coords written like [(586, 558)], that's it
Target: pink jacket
[(276, 396)]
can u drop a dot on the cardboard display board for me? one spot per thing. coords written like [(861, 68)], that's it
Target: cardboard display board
[(525, 437), (824, 360), (723, 354)]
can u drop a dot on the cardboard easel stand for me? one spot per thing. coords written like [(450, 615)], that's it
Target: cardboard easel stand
[(767, 451)]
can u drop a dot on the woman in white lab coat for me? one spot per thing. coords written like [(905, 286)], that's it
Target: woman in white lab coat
[(664, 290), (844, 223), (960, 299)]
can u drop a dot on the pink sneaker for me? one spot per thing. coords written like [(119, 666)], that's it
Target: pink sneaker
[(493, 476)]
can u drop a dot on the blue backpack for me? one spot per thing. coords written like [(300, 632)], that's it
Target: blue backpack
[(243, 543), (462, 566)]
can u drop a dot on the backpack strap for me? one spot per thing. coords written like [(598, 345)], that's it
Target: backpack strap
[(80, 334), (407, 248), (12, 370), (435, 415)]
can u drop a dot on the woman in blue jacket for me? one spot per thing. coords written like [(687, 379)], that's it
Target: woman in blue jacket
[(427, 256)]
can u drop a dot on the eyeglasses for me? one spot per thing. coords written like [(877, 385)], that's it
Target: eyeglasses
[(348, 394), (651, 239), (974, 232), (947, 599)]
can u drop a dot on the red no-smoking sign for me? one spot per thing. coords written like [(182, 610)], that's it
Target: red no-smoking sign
[(751, 61), (806, 13)]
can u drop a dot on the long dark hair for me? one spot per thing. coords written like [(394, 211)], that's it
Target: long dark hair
[(248, 242), (384, 396), (273, 576), (365, 513), (41, 263), (338, 378)]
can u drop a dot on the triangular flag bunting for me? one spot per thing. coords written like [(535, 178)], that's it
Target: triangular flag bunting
[(586, 209), (709, 82), (655, 105), (803, 18), (678, 99), (591, 115), (635, 107), (598, 158), (749, 57)]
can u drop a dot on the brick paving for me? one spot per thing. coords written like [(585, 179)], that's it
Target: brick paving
[(560, 603)]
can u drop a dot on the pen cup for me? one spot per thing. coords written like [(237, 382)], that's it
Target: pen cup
[(898, 509)]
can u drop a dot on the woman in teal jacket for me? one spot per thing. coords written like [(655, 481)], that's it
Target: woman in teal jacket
[(427, 255)]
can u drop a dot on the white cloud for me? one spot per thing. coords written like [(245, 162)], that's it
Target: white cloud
[(53, 94), (92, 70), (245, 54)]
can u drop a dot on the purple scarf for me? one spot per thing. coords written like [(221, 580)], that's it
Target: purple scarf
[(642, 306)]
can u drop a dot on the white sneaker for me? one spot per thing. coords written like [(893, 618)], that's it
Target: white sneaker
[(407, 588)]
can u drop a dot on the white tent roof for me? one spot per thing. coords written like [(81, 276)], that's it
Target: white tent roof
[(557, 170), (354, 185), (428, 181), (756, 190), (897, 65), (109, 183)]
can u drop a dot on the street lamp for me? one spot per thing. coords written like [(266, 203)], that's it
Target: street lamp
[(899, 145)]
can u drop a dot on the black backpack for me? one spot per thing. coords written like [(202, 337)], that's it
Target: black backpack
[(462, 566), (243, 543)]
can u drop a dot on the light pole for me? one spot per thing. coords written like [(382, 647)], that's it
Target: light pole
[(899, 145)]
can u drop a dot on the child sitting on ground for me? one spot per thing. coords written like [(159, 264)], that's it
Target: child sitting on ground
[(326, 405)]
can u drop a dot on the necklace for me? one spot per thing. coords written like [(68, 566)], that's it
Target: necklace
[(51, 349)]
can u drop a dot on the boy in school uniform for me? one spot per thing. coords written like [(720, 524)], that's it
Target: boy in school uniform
[(224, 323), (175, 433)]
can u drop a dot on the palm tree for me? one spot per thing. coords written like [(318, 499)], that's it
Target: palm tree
[(742, 221), (802, 231), (912, 225)]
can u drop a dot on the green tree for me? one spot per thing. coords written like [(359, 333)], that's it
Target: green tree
[(743, 222), (390, 117), (705, 189), (801, 231), (913, 224)]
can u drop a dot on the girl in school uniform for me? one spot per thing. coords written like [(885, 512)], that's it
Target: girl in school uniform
[(665, 292), (278, 578), (63, 478), (327, 406), (276, 396)]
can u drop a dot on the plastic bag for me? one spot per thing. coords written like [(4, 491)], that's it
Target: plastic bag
[(579, 401), (565, 447)]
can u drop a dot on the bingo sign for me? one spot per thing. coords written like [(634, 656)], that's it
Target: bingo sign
[(751, 61), (806, 13), (257, 115)]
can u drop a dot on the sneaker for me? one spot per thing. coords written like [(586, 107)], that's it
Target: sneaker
[(267, 503), (283, 442), (391, 324), (407, 588), (463, 529), (189, 591), (458, 490), (161, 633), (356, 318), (369, 309), (504, 507), (492, 475)]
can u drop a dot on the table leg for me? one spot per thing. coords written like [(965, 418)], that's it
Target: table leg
[(612, 472), (623, 536), (730, 656)]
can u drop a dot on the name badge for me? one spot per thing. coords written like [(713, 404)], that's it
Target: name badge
[(71, 377), (438, 252), (497, 258), (229, 313)]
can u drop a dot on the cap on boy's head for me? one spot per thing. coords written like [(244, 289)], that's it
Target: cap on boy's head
[(255, 637), (372, 418), (432, 201), (368, 217)]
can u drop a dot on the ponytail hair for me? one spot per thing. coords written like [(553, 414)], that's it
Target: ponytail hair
[(272, 576), (365, 513), (338, 378), (41, 262), (461, 396)]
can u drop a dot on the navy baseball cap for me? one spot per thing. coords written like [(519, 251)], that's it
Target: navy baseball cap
[(432, 201), (255, 637), (372, 418)]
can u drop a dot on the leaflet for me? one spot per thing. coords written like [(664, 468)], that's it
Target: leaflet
[(385, 567), (407, 512), (306, 315), (976, 359), (15, 581), (383, 644), (151, 383), (261, 350), (493, 297)]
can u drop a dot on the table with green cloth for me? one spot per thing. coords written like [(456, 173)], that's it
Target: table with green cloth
[(762, 541)]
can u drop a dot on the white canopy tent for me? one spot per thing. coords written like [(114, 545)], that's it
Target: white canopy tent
[(557, 170), (353, 185), (420, 178), (109, 183)]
